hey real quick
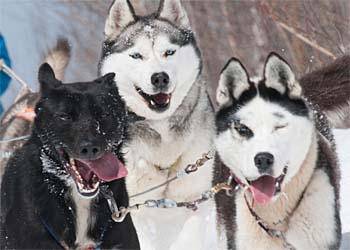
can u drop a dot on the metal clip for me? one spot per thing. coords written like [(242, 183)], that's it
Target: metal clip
[(192, 205), (162, 203), (191, 168), (232, 191), (117, 216), (166, 203), (120, 215)]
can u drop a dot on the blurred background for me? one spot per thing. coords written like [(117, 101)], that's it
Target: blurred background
[(308, 33)]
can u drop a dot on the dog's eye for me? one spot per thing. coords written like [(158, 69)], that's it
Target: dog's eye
[(280, 126), (64, 117), (169, 52), (243, 130), (136, 55), (104, 115)]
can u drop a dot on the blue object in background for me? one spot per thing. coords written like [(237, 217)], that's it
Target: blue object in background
[(4, 78)]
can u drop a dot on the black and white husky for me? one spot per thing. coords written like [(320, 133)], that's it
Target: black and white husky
[(158, 68), (51, 194), (281, 154)]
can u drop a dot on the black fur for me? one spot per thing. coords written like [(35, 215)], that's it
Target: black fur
[(326, 159), (31, 197), (225, 116)]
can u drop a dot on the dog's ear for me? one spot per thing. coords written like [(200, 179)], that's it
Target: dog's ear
[(132, 117), (173, 11), (234, 80), (106, 79), (279, 76), (47, 78), (120, 14)]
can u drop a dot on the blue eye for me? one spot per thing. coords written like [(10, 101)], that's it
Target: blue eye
[(169, 52), (136, 55)]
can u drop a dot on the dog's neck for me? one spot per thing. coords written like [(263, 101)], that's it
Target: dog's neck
[(84, 219), (173, 130), (277, 212)]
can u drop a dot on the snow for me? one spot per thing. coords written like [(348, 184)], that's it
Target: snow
[(342, 138)]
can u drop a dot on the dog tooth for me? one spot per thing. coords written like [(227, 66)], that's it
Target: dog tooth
[(153, 103)]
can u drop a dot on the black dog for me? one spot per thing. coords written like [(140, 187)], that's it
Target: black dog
[(51, 193)]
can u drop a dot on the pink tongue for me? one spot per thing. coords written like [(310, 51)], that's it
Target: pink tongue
[(263, 189), (107, 168), (160, 98)]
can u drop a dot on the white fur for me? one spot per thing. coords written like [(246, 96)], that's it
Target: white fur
[(274, 67), (175, 13), (182, 68), (295, 145), (167, 228), (234, 78), (119, 16), (83, 219), (311, 225), (150, 161), (257, 115)]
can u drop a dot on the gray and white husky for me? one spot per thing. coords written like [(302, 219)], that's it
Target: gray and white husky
[(281, 153), (158, 67)]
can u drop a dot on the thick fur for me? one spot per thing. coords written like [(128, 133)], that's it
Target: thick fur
[(282, 123), (165, 142), (13, 126), (329, 87), (39, 198)]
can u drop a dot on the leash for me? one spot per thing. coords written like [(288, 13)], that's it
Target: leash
[(26, 114), (273, 233), (13, 75), (119, 214), (190, 168)]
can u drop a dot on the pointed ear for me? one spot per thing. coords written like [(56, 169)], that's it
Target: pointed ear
[(279, 76), (47, 78), (120, 14), (106, 79), (173, 11), (234, 80), (132, 117)]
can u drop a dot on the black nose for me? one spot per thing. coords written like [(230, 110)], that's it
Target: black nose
[(160, 80), (263, 161), (88, 150)]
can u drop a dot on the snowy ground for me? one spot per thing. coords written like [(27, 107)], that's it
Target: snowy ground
[(343, 146)]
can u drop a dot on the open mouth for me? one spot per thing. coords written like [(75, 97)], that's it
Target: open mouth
[(266, 187), (89, 174), (158, 102)]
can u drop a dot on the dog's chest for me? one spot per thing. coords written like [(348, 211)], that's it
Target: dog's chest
[(151, 162), (84, 219)]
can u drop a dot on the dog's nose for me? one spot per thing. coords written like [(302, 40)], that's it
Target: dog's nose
[(160, 80), (88, 150), (263, 161)]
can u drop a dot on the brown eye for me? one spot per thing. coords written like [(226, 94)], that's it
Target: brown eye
[(243, 130)]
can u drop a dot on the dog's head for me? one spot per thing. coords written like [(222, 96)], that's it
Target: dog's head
[(265, 129), (155, 57), (83, 125)]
